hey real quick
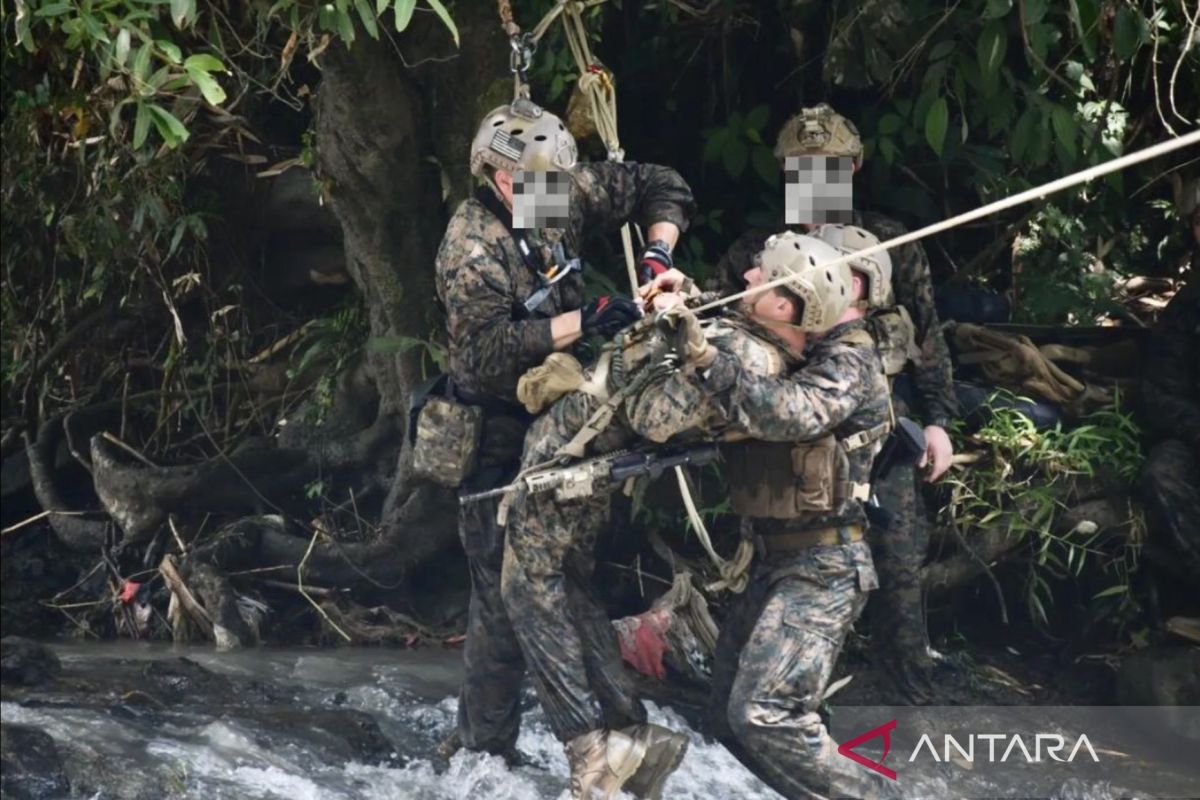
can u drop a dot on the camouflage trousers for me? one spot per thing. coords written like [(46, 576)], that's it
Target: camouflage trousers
[(567, 639), (1171, 493), (775, 655), (899, 635), (489, 706)]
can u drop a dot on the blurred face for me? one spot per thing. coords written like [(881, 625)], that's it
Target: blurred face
[(541, 199), (818, 189)]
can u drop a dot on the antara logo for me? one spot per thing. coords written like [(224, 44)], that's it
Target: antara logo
[(1006, 746)]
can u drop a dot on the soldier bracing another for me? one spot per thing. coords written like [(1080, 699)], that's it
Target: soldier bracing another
[(508, 275), (820, 142)]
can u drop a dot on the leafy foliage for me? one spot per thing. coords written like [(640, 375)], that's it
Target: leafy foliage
[(1027, 482)]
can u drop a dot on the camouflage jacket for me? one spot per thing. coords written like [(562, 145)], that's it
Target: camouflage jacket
[(483, 282), (677, 408), (913, 289), (840, 390), (1171, 390)]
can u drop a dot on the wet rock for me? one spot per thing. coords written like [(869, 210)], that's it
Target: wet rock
[(343, 734), (30, 766), (183, 678), (26, 662), (1160, 676)]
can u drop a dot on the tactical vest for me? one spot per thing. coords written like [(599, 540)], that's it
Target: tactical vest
[(782, 480)]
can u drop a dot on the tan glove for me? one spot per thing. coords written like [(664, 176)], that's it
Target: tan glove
[(690, 345)]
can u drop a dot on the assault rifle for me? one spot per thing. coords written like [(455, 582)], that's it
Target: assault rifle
[(903, 448), (583, 478)]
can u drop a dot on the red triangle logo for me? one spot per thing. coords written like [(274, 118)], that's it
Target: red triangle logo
[(884, 730)]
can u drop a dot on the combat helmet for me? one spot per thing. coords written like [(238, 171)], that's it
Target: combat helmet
[(826, 291), (849, 239), (819, 131), (522, 136)]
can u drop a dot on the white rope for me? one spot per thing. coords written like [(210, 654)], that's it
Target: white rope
[(1036, 193), (734, 574)]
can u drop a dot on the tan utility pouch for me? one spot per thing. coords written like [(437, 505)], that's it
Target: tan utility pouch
[(783, 481), (895, 337), (447, 441)]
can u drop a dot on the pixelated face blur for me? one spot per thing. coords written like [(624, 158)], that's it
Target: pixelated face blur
[(818, 190), (541, 199)]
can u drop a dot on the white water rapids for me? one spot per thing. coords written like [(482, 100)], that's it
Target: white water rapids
[(411, 694)]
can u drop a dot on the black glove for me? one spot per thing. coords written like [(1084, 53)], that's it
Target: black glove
[(655, 261), (606, 315)]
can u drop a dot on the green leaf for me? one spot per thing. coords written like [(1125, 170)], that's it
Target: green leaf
[(121, 51), (942, 49), (170, 50), (993, 41), (345, 26), (890, 123), (1085, 15), (368, 18), (715, 144), (1110, 591), (204, 63), (182, 11), (758, 117), (1023, 134), (1126, 33), (997, 8), (734, 157), (888, 148), (141, 64), (936, 122), (765, 166), (441, 11), (208, 85), (404, 11), (1035, 11), (52, 10), (1066, 130), (141, 125), (381, 6), (168, 125)]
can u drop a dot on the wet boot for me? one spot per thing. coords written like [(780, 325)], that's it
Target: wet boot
[(453, 743), (665, 749), (601, 762)]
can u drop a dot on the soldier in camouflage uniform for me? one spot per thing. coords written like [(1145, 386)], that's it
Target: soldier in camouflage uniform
[(545, 532), (1171, 415), (511, 297), (801, 485), (898, 632)]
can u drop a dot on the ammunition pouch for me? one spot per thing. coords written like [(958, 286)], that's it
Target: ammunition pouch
[(445, 433), (895, 338), (783, 481)]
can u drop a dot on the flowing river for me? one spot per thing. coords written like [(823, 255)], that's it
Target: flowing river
[(300, 724)]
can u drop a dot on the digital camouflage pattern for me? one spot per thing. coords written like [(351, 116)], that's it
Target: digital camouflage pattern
[(1171, 406), (547, 569), (899, 633), (776, 653), (778, 648), (447, 441), (483, 283)]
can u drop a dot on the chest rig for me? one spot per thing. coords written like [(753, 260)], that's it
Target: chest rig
[(784, 480)]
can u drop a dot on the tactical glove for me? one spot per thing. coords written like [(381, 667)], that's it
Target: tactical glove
[(606, 315), (690, 345), (655, 261)]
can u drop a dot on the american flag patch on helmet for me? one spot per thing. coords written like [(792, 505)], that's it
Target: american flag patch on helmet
[(507, 146)]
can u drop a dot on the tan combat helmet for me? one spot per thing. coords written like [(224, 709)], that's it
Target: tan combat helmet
[(827, 292), (819, 131), (877, 268), (522, 136)]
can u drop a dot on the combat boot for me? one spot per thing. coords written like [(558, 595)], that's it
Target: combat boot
[(665, 748), (601, 762)]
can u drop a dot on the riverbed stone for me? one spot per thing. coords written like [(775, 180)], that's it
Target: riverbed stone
[(30, 765), (1160, 676), (26, 662)]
